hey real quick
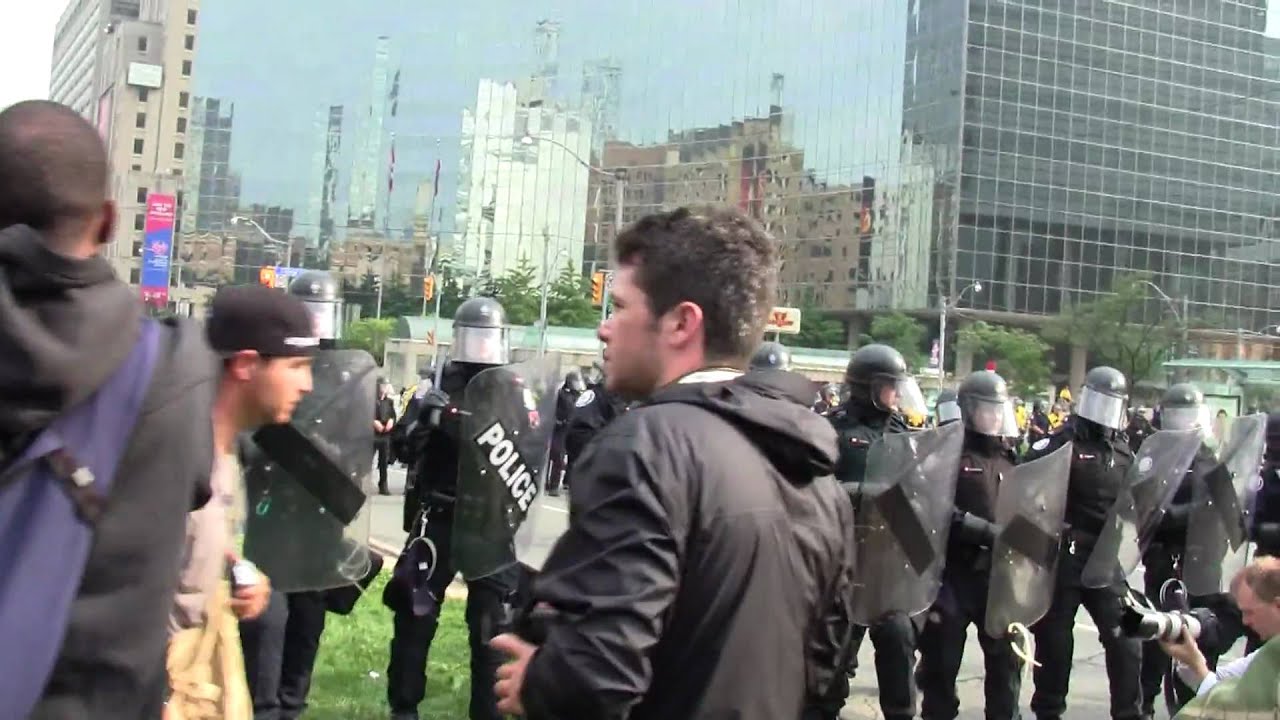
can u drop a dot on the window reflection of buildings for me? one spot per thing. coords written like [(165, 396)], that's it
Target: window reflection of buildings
[(830, 234)]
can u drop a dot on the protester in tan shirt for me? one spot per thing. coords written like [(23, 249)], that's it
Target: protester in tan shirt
[(266, 339)]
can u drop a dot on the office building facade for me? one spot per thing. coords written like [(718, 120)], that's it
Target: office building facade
[(899, 149)]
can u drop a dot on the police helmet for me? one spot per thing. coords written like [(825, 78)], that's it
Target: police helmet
[(771, 356), (1182, 408), (946, 410), (322, 296), (480, 333), (1104, 397), (875, 368), (573, 381), (984, 404)]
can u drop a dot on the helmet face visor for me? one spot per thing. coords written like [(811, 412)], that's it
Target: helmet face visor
[(990, 417), (324, 319), (948, 411), (1185, 418), (902, 395), (480, 345), (1105, 410)]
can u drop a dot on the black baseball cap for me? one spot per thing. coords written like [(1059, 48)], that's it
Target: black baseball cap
[(259, 318)]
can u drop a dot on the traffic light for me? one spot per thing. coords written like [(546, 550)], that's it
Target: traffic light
[(597, 288), (428, 287)]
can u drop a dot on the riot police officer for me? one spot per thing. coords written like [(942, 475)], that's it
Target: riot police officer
[(566, 399), (280, 647), (594, 408), (1266, 519), (771, 356), (1098, 472), (876, 378), (982, 403), (1182, 408), (828, 399), (1138, 429), (946, 409), (425, 568)]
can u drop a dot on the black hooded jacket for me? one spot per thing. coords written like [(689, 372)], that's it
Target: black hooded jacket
[(707, 562), (65, 326)]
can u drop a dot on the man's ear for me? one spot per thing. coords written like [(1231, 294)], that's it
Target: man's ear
[(682, 324), (106, 222), (241, 364)]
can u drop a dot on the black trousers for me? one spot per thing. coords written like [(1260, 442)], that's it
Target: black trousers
[(490, 605), (894, 639), (963, 600), (382, 446), (1055, 642), (280, 650), (557, 478)]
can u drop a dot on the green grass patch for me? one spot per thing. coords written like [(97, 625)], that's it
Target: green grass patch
[(354, 646)]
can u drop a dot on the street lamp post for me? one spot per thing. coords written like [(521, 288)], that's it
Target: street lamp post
[(618, 176), (288, 253), (1181, 317), (942, 327), (546, 284)]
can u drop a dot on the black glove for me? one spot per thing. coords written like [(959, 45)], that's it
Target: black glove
[(970, 529)]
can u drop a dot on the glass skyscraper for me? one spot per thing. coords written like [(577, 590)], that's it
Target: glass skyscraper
[(899, 149)]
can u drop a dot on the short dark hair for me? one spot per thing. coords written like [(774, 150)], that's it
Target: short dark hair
[(715, 257), (53, 167)]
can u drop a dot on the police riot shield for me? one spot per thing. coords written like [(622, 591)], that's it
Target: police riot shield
[(307, 481), (1149, 486), (904, 520), (501, 516), (1216, 530), (1024, 560)]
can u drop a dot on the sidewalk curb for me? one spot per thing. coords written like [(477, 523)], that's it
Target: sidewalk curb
[(457, 590)]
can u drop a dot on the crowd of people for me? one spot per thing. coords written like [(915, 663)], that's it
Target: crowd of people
[(731, 538)]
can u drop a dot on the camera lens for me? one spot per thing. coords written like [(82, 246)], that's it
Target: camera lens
[(1165, 626)]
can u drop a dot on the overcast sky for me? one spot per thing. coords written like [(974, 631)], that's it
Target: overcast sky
[(26, 46), (26, 42)]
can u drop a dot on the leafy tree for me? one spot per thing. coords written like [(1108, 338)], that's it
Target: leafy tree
[(370, 335), (818, 329), (519, 292), (1019, 355), (1116, 332), (901, 332), (569, 300)]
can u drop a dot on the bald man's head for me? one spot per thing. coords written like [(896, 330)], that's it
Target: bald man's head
[(53, 176)]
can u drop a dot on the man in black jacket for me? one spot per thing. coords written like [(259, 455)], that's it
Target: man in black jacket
[(67, 324), (566, 399), (384, 420), (708, 564)]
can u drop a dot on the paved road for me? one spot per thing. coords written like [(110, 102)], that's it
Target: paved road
[(1089, 695)]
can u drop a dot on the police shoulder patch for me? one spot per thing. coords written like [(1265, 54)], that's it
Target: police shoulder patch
[(585, 398), (1040, 444)]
